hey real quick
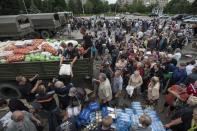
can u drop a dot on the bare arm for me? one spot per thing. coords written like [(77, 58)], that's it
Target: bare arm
[(61, 60), (33, 78), (130, 80), (174, 122), (36, 86), (33, 118), (73, 61)]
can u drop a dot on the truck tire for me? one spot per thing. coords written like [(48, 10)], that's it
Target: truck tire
[(36, 35), (45, 34), (8, 91)]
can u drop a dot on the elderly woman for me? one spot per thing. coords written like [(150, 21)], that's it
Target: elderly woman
[(134, 83), (153, 90)]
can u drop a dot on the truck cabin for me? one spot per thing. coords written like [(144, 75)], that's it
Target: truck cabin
[(15, 26), (45, 24), (65, 17)]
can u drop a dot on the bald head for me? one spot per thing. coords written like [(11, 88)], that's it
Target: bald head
[(59, 84), (17, 116)]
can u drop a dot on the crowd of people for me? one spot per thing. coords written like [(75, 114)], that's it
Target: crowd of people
[(139, 59)]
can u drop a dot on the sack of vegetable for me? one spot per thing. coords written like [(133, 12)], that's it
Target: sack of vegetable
[(21, 51), (10, 47), (49, 48), (15, 58)]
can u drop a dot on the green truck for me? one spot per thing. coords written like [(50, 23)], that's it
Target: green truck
[(65, 17), (15, 26), (83, 70), (45, 24)]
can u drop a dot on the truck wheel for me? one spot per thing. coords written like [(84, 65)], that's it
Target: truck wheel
[(37, 35), (45, 34), (8, 91)]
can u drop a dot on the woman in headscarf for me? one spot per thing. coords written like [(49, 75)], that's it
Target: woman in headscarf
[(153, 90)]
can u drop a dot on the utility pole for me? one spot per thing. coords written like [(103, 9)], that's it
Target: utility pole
[(116, 7), (82, 2), (25, 6)]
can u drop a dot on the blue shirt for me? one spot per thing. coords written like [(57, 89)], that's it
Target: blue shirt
[(179, 76)]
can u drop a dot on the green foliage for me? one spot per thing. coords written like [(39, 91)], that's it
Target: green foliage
[(137, 6), (13, 7), (75, 6), (194, 7), (9, 7), (96, 7), (181, 6)]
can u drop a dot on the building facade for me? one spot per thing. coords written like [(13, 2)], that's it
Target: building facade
[(124, 2)]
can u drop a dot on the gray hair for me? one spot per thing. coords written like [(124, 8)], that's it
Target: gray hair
[(103, 76), (147, 120)]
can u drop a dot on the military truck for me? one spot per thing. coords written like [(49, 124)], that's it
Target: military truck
[(15, 26), (65, 17), (45, 24), (82, 70)]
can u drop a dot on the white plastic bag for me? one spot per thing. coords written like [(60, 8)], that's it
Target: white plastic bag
[(65, 69), (73, 111), (130, 90)]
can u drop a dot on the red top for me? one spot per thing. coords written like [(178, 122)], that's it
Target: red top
[(191, 89), (141, 70)]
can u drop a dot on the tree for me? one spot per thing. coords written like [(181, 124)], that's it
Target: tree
[(194, 7), (88, 7), (178, 6), (33, 9), (59, 5), (78, 6), (137, 6), (75, 6), (106, 6), (10, 7)]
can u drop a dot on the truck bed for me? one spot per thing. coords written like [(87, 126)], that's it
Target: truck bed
[(46, 70)]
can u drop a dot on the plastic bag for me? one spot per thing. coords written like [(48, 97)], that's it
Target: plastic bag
[(65, 69), (94, 106), (85, 114), (130, 90)]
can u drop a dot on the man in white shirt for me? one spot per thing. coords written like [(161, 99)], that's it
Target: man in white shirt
[(190, 67)]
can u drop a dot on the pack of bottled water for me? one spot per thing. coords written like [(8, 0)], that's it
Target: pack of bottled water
[(93, 117), (137, 108), (129, 117), (156, 122)]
